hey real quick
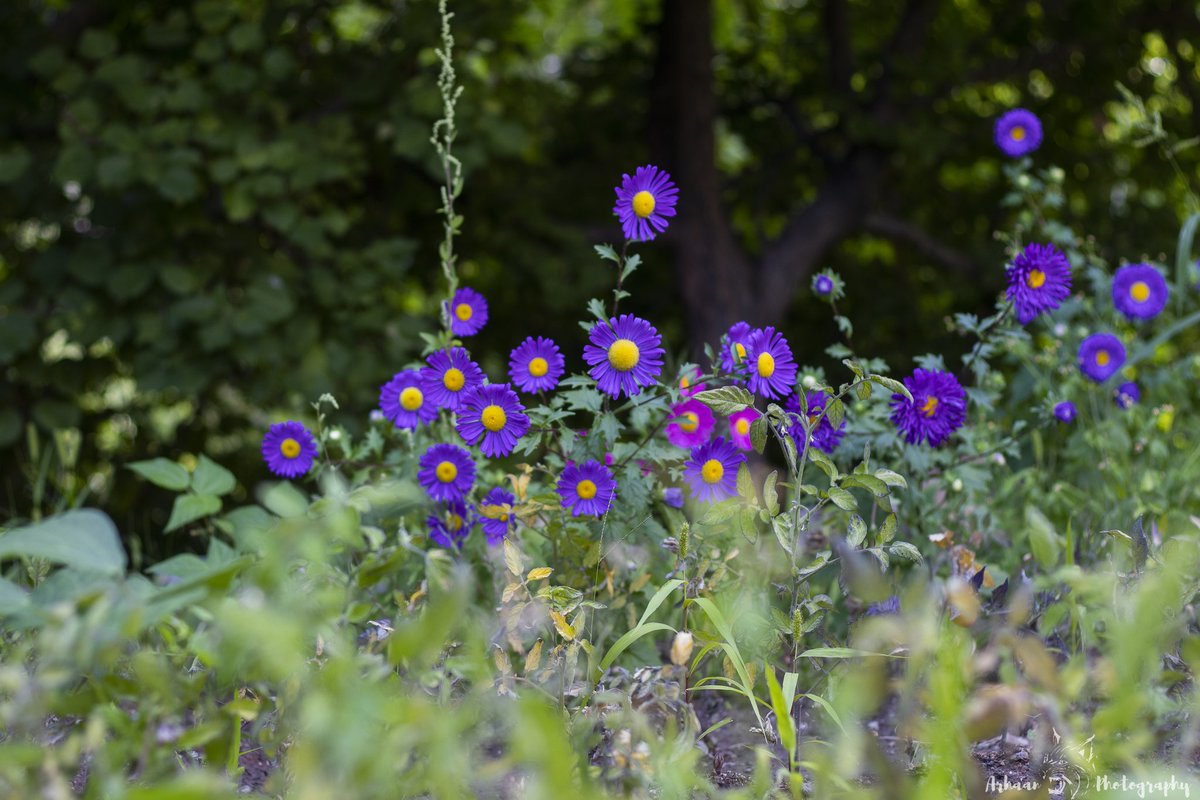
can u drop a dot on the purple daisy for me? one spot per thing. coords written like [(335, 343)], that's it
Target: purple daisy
[(644, 202), (403, 401), (1039, 280), (1127, 395), (495, 414), (1139, 291), (289, 449), (536, 365), (825, 437), (1100, 356), (695, 421), (938, 407), (449, 377), (712, 470), (625, 355), (1018, 132), (495, 515), (673, 496), (733, 348), (1065, 411), (772, 368), (739, 428), (451, 525), (468, 312), (587, 488), (689, 382), (447, 472)]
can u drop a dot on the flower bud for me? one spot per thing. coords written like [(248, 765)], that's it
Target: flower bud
[(681, 648)]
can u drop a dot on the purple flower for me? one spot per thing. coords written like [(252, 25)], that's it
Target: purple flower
[(468, 312), (451, 525), (689, 382), (536, 365), (289, 449), (403, 402), (644, 202), (673, 496), (824, 437), (625, 355), (447, 472), (822, 284), (1018, 132), (587, 489), (1065, 411), (1101, 355), (449, 377), (695, 421), (772, 368), (711, 472), (1139, 291), (495, 515), (494, 414), (1127, 395), (938, 407), (889, 606), (739, 428), (733, 348), (1039, 280)]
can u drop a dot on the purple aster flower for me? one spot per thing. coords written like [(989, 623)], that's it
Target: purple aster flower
[(625, 355), (468, 312), (673, 496), (825, 437), (1139, 291), (1101, 355), (695, 421), (536, 365), (587, 489), (1039, 280), (822, 284), (938, 407), (733, 348), (447, 472), (495, 515), (689, 382), (1018, 132), (449, 377), (451, 525), (495, 414), (772, 368), (712, 470), (289, 449), (739, 428), (889, 606), (403, 401), (1127, 395), (644, 202), (1065, 411)]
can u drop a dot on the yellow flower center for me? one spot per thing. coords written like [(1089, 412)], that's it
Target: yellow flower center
[(411, 398), (1140, 292), (684, 382), (623, 355), (766, 365), (740, 349), (712, 471), (691, 422), (493, 417), (454, 379), (289, 447), (643, 204), (446, 471), (931, 404), (463, 311), (454, 523), (538, 367), (742, 426), (1035, 279), (1102, 358), (1018, 134), (585, 489), (504, 517)]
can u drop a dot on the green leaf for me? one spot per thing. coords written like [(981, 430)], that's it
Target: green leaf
[(758, 434), (86, 540), (835, 412), (904, 551), (770, 494), (894, 386), (891, 478), (211, 478), (720, 512), (162, 472), (191, 507), (842, 499), (857, 532), (726, 400), (887, 531), (1043, 540), (821, 460), (745, 485), (1183, 258), (12, 598), (869, 482), (840, 652), (783, 712)]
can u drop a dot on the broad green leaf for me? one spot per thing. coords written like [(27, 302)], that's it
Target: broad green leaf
[(745, 485), (162, 472), (891, 478), (758, 434), (726, 400), (211, 478), (85, 539), (191, 507), (1043, 540), (770, 494), (904, 551), (842, 499), (857, 532), (892, 385), (783, 712)]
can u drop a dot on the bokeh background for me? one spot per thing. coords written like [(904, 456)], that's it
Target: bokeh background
[(214, 211)]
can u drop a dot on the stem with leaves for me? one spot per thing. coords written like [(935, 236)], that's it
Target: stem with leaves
[(442, 138)]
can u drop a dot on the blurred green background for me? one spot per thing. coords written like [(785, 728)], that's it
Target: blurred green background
[(215, 211)]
